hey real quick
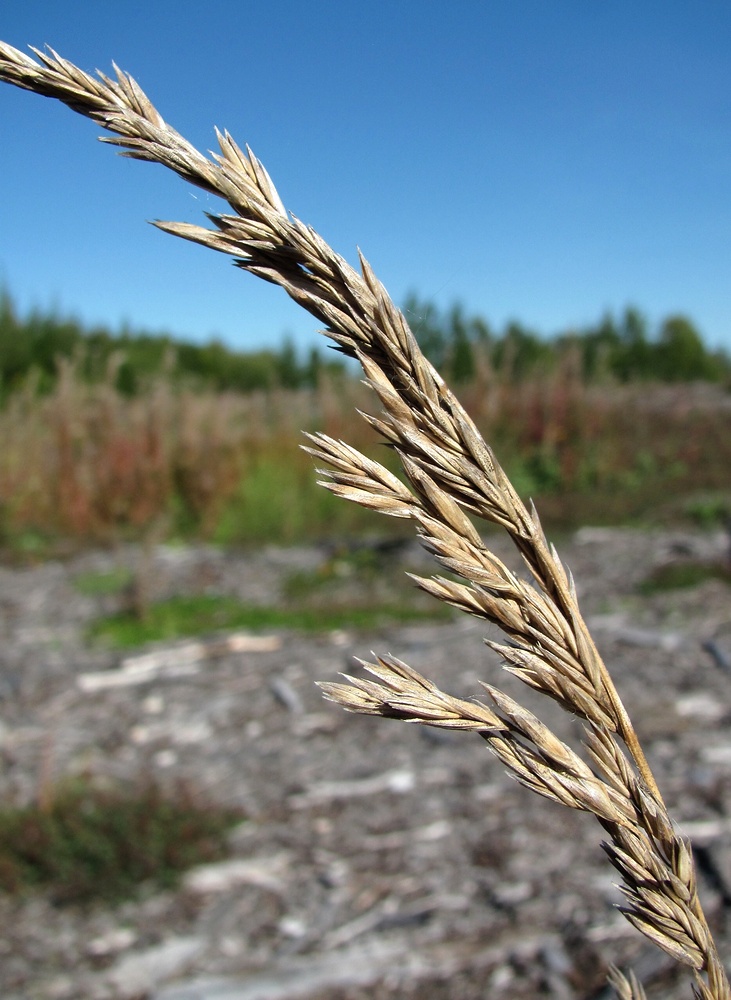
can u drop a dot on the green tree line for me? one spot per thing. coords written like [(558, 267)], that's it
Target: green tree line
[(33, 345), (623, 348)]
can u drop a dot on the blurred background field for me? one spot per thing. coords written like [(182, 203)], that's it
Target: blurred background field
[(126, 436)]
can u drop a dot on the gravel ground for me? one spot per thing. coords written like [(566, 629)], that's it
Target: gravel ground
[(377, 860)]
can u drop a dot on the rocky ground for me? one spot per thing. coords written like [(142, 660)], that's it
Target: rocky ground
[(377, 860)]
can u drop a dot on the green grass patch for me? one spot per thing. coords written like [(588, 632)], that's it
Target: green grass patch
[(102, 584), (709, 510), (181, 617), (279, 501), (364, 563), (91, 843), (676, 576), (27, 547)]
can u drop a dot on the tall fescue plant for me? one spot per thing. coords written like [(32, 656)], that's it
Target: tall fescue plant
[(450, 471)]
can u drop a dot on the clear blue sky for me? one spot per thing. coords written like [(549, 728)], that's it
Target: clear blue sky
[(544, 160)]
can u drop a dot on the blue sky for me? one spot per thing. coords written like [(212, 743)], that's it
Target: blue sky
[(543, 160)]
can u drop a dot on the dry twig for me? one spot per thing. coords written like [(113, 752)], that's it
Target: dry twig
[(449, 470)]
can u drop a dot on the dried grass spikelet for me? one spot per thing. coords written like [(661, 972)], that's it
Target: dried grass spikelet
[(626, 987), (449, 470)]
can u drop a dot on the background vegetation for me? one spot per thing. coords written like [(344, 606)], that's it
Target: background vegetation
[(87, 842), (116, 436)]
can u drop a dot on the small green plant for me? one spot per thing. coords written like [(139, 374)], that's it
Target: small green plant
[(90, 843), (366, 562), (710, 510), (103, 584), (28, 546), (678, 575)]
